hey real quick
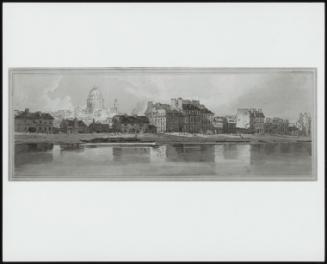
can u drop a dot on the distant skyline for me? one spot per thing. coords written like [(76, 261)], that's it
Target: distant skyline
[(282, 94)]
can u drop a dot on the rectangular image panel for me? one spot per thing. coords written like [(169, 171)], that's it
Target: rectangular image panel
[(176, 124)]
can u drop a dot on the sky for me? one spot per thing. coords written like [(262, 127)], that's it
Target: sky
[(279, 93)]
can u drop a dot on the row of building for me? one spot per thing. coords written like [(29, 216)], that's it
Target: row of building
[(180, 116), (253, 121), (38, 122), (192, 117), (187, 116)]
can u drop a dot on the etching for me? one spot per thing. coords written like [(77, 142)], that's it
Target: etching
[(162, 124)]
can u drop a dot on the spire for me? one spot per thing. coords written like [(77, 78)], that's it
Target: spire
[(115, 107)]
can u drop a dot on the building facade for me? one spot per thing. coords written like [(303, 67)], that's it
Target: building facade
[(192, 118), (164, 118), (73, 126), (206, 120), (230, 124), (250, 120), (131, 124), (259, 121), (304, 124), (293, 130), (276, 125), (180, 116), (37, 122), (98, 127), (219, 124)]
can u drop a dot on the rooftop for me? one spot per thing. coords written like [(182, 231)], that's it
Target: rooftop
[(37, 115), (131, 119), (71, 121), (201, 108)]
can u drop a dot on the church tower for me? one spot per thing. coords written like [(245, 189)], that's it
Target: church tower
[(114, 109), (94, 101)]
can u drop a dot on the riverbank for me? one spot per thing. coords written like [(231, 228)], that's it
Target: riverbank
[(21, 138)]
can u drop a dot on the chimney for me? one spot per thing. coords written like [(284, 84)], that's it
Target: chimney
[(149, 106), (180, 103), (173, 103), (27, 110)]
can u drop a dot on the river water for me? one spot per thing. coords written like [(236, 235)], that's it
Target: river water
[(169, 161)]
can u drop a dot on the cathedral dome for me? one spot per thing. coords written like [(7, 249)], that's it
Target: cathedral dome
[(94, 100)]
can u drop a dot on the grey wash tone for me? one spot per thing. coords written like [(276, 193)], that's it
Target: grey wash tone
[(253, 87)]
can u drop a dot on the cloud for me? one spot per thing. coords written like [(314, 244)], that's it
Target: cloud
[(38, 93), (143, 88), (56, 103)]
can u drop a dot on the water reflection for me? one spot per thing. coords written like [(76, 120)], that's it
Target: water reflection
[(259, 153), (33, 147), (230, 151), (190, 153), (285, 148), (268, 149), (158, 153), (39, 153), (169, 159), (72, 147), (131, 154)]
